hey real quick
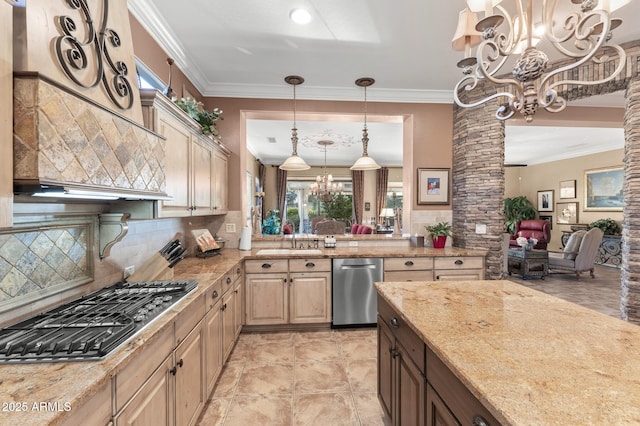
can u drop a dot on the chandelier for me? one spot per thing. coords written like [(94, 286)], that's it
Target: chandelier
[(583, 37), (324, 187), (294, 162)]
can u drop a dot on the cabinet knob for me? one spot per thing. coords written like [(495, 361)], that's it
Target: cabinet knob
[(394, 322), (214, 294), (228, 280), (458, 262), (173, 370), (394, 353), (408, 263), (238, 271), (310, 265), (478, 420), (266, 265), (180, 363)]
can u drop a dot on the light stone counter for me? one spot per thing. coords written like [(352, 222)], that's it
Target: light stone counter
[(530, 358)]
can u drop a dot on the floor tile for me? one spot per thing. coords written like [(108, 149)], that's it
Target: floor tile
[(362, 375), (316, 377), (267, 351), (359, 348), (369, 410), (325, 409), (228, 381), (316, 350), (215, 412), (266, 380), (268, 410)]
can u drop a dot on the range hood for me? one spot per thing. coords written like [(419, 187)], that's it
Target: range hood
[(68, 146)]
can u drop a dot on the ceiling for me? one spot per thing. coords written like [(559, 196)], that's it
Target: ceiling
[(245, 48)]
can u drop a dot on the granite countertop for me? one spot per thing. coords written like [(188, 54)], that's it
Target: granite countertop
[(364, 251), (530, 358)]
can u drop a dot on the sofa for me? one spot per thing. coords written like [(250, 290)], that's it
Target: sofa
[(533, 228)]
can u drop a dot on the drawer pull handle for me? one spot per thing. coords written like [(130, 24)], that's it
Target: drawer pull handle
[(173, 370), (214, 294), (310, 265), (238, 271), (394, 322), (228, 280), (478, 420), (408, 263), (459, 262), (394, 353), (266, 265), (180, 363)]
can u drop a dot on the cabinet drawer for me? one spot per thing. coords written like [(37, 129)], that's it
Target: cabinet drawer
[(237, 272), (455, 395), (407, 263), (131, 377), (188, 318), (308, 265), (459, 262), (408, 275), (459, 274), (227, 280), (213, 295), (406, 336), (266, 266)]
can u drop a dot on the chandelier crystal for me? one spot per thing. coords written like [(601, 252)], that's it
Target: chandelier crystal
[(582, 37), (294, 162), (324, 187)]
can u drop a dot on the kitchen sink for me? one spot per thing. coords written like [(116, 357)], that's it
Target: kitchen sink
[(288, 251)]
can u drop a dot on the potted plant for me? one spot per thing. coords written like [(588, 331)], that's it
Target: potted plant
[(517, 209), (206, 119), (608, 226), (439, 233)]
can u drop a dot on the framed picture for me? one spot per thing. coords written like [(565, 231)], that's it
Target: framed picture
[(548, 219), (545, 200), (567, 189), (567, 213), (433, 186), (603, 189)]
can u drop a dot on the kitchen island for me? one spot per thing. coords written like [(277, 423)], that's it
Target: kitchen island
[(524, 356)]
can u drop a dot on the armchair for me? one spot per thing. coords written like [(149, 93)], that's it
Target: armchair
[(579, 253), (533, 228), (331, 227)]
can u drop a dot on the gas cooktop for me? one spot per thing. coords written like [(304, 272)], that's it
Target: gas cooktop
[(92, 326)]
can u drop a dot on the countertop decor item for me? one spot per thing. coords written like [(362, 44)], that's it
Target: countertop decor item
[(439, 233), (271, 225), (584, 36)]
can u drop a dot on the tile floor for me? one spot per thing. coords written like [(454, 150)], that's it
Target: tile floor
[(299, 378), (329, 377)]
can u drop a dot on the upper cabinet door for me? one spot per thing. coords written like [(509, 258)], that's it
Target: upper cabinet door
[(202, 163), (177, 168)]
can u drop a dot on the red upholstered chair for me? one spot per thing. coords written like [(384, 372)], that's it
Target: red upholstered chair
[(287, 229), (364, 229), (533, 228), (354, 228)]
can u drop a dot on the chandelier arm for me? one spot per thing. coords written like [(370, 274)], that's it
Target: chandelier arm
[(457, 100), (582, 32), (506, 45)]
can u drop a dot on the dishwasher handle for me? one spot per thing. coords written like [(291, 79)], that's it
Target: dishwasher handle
[(364, 266)]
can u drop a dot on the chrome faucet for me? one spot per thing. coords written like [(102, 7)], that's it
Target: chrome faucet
[(293, 234)]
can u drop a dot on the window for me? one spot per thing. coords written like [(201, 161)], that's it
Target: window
[(147, 79), (302, 206)]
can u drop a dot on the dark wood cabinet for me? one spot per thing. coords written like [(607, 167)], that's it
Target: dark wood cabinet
[(437, 412)]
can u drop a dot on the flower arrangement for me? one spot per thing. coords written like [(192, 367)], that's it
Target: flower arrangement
[(527, 243), (206, 119)]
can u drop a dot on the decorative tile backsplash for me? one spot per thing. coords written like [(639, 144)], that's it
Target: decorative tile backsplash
[(38, 259)]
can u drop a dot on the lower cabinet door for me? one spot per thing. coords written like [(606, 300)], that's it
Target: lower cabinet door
[(266, 299), (213, 346), (386, 346), (189, 395), (310, 297), (437, 413), (410, 391), (153, 403)]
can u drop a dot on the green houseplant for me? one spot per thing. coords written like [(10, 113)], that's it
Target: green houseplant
[(517, 209), (206, 119), (608, 226), (439, 233)]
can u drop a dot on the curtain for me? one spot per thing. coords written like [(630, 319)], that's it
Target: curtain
[(382, 181), (281, 191), (262, 172), (357, 176)]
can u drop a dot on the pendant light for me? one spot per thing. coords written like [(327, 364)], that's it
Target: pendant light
[(294, 162), (365, 162)]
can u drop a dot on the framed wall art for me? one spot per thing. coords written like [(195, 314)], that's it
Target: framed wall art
[(545, 200), (567, 213), (603, 189), (568, 189), (433, 186), (548, 219)]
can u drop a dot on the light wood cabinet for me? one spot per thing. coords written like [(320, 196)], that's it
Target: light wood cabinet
[(6, 116), (296, 291), (195, 165), (213, 344), (458, 268), (189, 378), (408, 269), (153, 403)]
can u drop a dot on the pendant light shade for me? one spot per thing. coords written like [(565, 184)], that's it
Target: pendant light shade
[(365, 162), (294, 162)]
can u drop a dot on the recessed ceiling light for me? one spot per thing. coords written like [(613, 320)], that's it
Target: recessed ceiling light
[(300, 16)]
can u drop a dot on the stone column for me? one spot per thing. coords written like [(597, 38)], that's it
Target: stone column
[(630, 291), (478, 182)]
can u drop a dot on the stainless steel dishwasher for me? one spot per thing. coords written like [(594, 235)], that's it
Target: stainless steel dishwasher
[(353, 295)]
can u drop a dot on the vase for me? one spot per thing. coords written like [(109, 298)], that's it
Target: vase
[(439, 242)]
